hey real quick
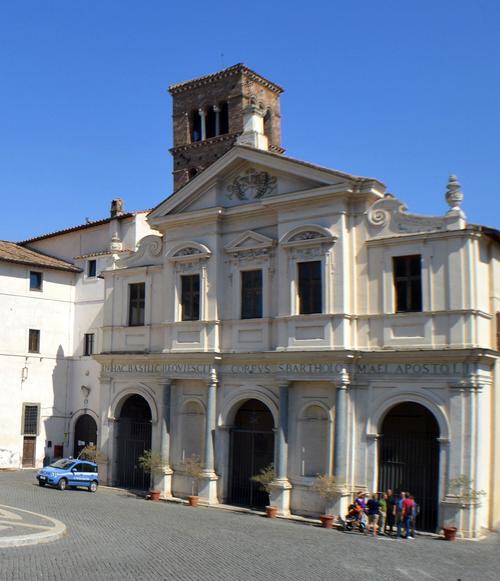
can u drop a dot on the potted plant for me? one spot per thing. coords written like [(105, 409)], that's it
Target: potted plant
[(152, 463), (264, 479), (325, 486), (91, 453), (193, 467), (462, 491)]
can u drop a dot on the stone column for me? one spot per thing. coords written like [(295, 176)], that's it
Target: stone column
[(340, 444), (217, 119), (166, 477), (340, 441), (208, 481), (280, 488), (203, 123)]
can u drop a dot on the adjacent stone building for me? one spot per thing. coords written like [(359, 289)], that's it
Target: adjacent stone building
[(276, 311)]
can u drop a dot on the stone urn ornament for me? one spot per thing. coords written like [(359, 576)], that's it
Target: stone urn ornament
[(454, 195)]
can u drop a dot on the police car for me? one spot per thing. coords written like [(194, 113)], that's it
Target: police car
[(69, 472)]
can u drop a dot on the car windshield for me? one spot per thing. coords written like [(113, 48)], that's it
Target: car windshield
[(62, 464)]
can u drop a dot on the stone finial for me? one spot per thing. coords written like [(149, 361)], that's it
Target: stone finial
[(116, 208), (454, 195), (116, 243)]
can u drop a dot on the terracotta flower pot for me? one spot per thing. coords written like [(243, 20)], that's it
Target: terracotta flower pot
[(450, 533), (154, 495), (271, 511), (194, 500), (326, 521)]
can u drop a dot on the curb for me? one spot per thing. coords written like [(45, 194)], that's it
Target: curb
[(56, 532)]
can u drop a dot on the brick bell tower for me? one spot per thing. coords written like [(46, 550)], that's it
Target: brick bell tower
[(212, 113)]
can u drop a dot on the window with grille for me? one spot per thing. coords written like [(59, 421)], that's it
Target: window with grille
[(34, 341), (30, 419), (137, 300), (88, 344), (408, 283), (35, 280), (190, 297), (251, 294), (310, 287)]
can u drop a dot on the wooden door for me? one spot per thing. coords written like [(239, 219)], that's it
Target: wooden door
[(29, 445)]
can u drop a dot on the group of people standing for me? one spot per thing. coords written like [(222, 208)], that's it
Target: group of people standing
[(386, 511)]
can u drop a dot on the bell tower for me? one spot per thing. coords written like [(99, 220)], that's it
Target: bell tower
[(212, 113)]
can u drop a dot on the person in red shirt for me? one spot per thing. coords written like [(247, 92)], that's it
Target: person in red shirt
[(408, 506)]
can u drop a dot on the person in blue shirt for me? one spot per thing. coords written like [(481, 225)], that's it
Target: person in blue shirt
[(373, 510)]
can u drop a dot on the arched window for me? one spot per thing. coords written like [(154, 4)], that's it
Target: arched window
[(313, 441), (193, 430)]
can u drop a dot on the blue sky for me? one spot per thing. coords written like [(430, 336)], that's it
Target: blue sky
[(407, 92)]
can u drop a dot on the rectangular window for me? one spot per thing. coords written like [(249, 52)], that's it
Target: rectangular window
[(251, 294), (35, 280), (310, 287), (34, 341), (88, 344), (190, 297), (92, 268), (137, 300), (408, 283), (30, 419)]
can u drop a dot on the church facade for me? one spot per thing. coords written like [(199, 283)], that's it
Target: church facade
[(280, 313)]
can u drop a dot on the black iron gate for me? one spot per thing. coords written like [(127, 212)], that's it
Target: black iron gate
[(409, 462), (250, 452), (134, 438)]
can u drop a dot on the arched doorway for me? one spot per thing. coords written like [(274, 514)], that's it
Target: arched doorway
[(85, 434), (134, 437), (252, 448), (409, 458)]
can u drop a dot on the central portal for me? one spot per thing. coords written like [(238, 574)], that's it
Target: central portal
[(252, 448)]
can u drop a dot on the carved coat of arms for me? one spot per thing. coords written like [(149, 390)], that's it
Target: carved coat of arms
[(252, 185)]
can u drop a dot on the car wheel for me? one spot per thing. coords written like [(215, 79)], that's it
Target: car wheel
[(40, 483), (62, 484), (93, 486)]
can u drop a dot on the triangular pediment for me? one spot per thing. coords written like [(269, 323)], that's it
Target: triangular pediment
[(249, 240), (246, 175)]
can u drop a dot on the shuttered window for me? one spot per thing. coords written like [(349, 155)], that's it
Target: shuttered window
[(407, 272), (34, 341), (190, 297), (251, 294), (137, 299), (310, 287)]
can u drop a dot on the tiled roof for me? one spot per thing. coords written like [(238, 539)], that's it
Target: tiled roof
[(12, 252), (235, 69), (89, 224)]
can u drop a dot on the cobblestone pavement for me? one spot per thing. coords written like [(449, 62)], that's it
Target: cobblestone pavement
[(112, 535)]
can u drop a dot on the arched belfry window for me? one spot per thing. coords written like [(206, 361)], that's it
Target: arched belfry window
[(209, 121), (313, 441)]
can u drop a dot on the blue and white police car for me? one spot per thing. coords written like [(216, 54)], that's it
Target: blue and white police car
[(69, 472)]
